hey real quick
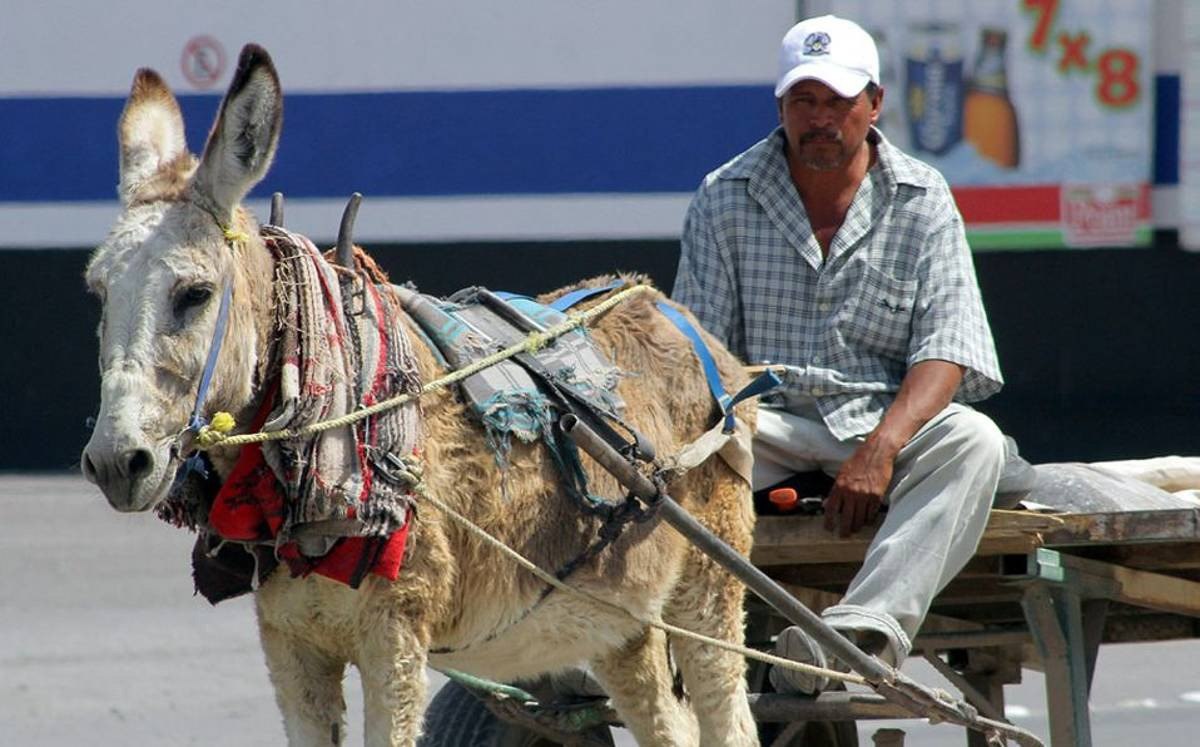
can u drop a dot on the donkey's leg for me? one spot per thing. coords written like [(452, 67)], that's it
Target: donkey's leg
[(308, 688), (638, 679), (709, 601), (391, 661), (711, 604)]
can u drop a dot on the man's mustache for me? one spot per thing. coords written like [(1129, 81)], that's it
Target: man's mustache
[(820, 136)]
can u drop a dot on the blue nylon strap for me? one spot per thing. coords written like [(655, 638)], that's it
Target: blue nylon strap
[(508, 296), (566, 301), (706, 361), (197, 422), (763, 383)]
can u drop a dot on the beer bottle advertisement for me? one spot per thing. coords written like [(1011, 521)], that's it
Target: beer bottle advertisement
[(989, 117), (1037, 112)]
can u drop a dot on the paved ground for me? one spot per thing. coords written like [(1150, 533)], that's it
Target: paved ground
[(102, 643)]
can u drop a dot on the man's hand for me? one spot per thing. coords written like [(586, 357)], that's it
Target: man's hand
[(864, 478), (858, 490)]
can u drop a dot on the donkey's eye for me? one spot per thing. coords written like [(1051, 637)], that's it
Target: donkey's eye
[(192, 297)]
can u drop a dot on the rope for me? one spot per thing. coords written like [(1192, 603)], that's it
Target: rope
[(418, 487), (992, 728), (209, 438), (233, 235)]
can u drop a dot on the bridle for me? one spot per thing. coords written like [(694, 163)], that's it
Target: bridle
[(197, 421)]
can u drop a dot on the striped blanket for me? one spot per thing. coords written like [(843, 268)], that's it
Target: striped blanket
[(324, 504), (341, 345)]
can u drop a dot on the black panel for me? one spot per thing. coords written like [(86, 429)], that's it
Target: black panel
[(1101, 348), (48, 366)]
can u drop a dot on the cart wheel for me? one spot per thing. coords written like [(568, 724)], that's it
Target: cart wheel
[(809, 734), (456, 718)]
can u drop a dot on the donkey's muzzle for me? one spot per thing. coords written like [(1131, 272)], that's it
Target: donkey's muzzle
[(121, 473)]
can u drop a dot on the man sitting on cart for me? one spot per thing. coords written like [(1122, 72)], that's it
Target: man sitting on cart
[(826, 249)]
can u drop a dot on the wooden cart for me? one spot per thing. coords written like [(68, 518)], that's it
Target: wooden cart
[(1044, 591)]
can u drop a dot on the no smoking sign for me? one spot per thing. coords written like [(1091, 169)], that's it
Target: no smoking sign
[(203, 61)]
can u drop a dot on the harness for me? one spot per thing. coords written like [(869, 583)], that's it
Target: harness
[(566, 376), (762, 383), (447, 323), (524, 396)]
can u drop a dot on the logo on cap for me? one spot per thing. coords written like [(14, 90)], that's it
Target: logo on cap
[(816, 43)]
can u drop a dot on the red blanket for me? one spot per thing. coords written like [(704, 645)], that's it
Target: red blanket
[(249, 508)]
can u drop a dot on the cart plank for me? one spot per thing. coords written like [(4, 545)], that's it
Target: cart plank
[(785, 540)]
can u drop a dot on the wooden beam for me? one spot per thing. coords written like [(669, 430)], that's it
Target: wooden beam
[(783, 540), (1144, 589), (1175, 557), (830, 706), (1055, 620), (835, 575), (780, 540), (1123, 527)]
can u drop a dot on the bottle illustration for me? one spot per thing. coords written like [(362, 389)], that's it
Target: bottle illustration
[(989, 117), (933, 94)]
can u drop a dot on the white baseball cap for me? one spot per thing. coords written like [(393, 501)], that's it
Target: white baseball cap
[(832, 50)]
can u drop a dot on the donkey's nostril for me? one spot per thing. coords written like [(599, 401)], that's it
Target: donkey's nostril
[(89, 469), (140, 461)]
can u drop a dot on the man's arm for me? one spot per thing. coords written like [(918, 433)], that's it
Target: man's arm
[(858, 491)]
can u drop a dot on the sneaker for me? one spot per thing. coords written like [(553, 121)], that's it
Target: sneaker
[(793, 643), (871, 642)]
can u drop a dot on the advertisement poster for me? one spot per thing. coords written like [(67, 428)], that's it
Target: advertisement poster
[(1189, 108), (1038, 112)]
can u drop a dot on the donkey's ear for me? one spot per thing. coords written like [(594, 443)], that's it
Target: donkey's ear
[(150, 132), (243, 139)]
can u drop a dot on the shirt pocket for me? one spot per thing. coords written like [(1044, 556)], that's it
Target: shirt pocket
[(877, 313)]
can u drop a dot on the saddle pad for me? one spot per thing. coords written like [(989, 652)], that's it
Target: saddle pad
[(505, 397)]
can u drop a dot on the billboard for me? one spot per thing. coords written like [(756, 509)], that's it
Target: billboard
[(539, 119), (1038, 112), (529, 119)]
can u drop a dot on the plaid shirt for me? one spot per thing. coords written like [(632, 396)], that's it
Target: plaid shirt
[(898, 286)]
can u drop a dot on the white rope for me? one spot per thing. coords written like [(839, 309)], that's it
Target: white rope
[(419, 489), (990, 726), (209, 437)]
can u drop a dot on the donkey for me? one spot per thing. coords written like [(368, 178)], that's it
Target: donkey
[(158, 274)]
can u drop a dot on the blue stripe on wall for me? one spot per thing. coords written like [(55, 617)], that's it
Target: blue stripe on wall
[(623, 140), (1166, 129)]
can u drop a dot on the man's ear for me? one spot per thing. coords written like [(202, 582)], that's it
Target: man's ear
[(876, 105)]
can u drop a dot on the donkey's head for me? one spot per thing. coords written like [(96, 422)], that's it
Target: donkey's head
[(181, 238)]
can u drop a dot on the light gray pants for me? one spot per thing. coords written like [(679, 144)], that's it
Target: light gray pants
[(938, 502)]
